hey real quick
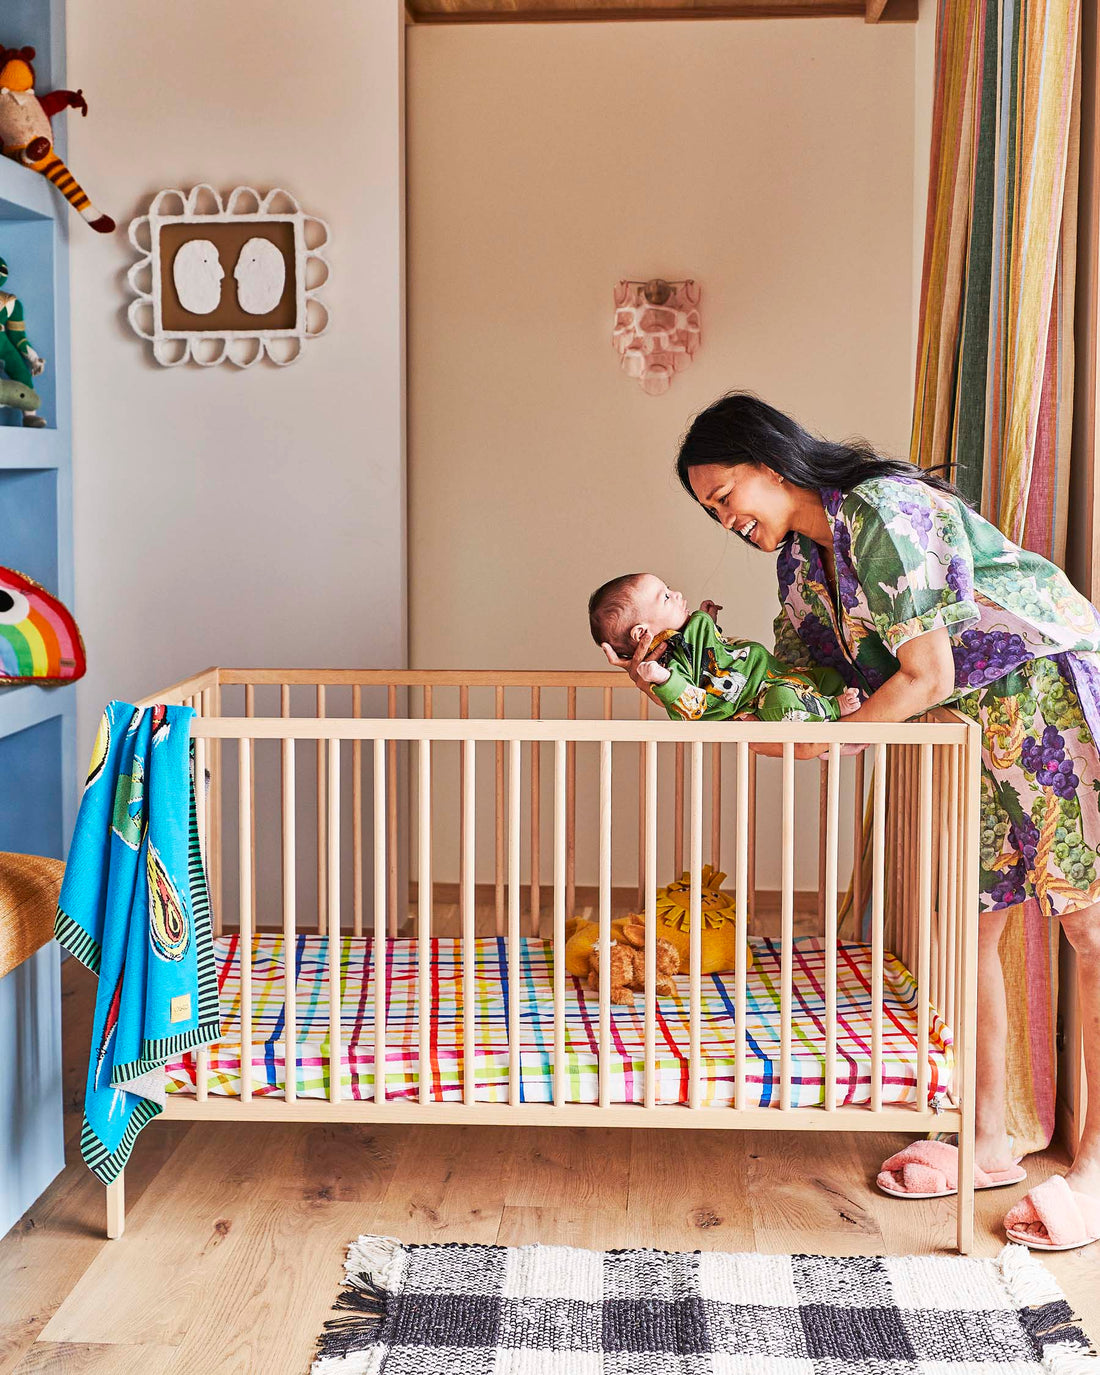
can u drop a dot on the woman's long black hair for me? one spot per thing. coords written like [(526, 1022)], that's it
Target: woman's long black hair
[(740, 428)]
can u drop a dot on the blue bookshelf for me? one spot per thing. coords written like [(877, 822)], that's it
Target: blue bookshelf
[(38, 774)]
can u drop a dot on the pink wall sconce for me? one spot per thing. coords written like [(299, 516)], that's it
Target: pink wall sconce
[(656, 330)]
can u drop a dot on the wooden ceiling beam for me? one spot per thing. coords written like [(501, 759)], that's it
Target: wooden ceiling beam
[(596, 11)]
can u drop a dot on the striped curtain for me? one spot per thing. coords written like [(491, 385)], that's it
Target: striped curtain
[(994, 380)]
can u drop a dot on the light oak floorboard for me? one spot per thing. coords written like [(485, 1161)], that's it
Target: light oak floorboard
[(88, 1358), (235, 1233)]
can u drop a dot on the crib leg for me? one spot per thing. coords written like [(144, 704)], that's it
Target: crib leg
[(116, 1206), (965, 1200)]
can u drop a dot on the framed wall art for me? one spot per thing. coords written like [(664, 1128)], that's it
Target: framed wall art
[(227, 282)]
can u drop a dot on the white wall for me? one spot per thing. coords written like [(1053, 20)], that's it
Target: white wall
[(252, 518), (771, 160)]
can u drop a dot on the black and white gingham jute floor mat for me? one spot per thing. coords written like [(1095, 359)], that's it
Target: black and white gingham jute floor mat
[(552, 1310)]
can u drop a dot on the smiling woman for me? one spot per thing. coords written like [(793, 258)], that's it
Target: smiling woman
[(888, 577)]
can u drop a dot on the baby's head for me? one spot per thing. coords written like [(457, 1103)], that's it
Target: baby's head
[(621, 610)]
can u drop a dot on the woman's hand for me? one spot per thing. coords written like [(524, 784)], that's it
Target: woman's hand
[(637, 666), (774, 749)]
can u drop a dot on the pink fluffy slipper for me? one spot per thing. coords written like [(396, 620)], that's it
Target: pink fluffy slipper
[(930, 1169), (1069, 1219)]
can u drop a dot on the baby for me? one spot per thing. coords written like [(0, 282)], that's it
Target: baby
[(696, 672)]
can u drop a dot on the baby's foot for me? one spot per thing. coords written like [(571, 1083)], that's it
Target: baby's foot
[(848, 701)]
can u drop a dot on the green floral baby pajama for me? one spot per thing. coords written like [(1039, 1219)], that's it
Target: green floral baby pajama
[(714, 679)]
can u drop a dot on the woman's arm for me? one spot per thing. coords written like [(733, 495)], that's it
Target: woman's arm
[(925, 678)]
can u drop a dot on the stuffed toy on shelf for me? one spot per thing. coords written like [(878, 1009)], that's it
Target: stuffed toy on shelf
[(26, 136), (17, 357)]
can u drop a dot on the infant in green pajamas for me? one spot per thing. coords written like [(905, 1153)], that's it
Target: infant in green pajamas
[(696, 672)]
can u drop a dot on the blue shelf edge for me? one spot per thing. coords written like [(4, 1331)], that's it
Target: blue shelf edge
[(24, 195), (27, 705), (25, 448)]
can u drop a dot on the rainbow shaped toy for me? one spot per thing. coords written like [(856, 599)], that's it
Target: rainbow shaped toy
[(39, 640)]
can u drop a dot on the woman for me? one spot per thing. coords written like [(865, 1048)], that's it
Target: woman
[(886, 575)]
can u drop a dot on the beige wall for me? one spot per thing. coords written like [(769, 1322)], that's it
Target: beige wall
[(773, 161), (225, 516)]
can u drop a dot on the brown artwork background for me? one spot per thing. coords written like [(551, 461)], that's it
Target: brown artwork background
[(229, 238)]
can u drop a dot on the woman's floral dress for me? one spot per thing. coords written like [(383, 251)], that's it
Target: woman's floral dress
[(1026, 646)]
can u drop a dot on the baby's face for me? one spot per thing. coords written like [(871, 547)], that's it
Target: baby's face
[(657, 607)]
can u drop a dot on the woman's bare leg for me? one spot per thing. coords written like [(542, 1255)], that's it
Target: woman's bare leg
[(1083, 933)]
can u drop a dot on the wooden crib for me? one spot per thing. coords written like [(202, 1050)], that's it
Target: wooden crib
[(333, 793)]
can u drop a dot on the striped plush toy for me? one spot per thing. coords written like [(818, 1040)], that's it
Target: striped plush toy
[(25, 132)]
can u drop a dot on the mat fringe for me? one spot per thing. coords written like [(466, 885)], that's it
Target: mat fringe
[(374, 1274), (1031, 1285)]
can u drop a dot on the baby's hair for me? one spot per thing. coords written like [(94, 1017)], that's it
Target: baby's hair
[(611, 613)]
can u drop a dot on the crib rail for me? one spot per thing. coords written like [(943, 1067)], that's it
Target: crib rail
[(389, 780)]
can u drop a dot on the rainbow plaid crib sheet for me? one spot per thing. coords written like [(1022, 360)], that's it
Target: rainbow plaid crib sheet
[(582, 1027)]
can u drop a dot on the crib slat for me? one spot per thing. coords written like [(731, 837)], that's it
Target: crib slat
[(322, 838), (952, 880), (786, 930), (571, 809), (202, 1057), (857, 848), (741, 900), (561, 871), (924, 922), (605, 924), (878, 917), (357, 817), (290, 935), (678, 812), (498, 843), (643, 713), (752, 838), (695, 927), (514, 951), (378, 944), (463, 872), (244, 946), (822, 815), (536, 827), (332, 926), (391, 828), (939, 904), (250, 710), (424, 923), (715, 806), (469, 946), (650, 909), (829, 845)]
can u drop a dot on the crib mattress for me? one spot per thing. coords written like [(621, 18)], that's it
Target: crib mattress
[(311, 1064)]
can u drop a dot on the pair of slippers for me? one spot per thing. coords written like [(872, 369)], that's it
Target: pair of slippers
[(1062, 1219)]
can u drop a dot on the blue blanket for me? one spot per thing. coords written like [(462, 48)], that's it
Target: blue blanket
[(134, 908)]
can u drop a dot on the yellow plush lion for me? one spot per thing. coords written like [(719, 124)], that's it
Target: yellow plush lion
[(718, 937)]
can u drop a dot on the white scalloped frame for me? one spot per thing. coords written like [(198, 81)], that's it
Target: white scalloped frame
[(243, 348)]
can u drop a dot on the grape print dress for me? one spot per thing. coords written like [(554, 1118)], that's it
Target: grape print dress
[(1026, 646)]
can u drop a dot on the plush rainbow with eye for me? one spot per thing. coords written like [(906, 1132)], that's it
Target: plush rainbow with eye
[(39, 640)]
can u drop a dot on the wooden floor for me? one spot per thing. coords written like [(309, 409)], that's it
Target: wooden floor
[(235, 1234)]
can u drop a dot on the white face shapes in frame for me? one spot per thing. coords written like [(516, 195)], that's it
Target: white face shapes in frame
[(197, 273), (261, 276)]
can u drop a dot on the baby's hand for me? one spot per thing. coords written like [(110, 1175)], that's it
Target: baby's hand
[(710, 609), (848, 701), (651, 671)]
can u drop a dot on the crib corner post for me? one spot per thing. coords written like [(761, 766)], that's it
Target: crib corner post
[(116, 1206), (968, 935)]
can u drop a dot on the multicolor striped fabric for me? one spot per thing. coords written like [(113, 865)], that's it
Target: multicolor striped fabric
[(582, 1027), (994, 386)]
